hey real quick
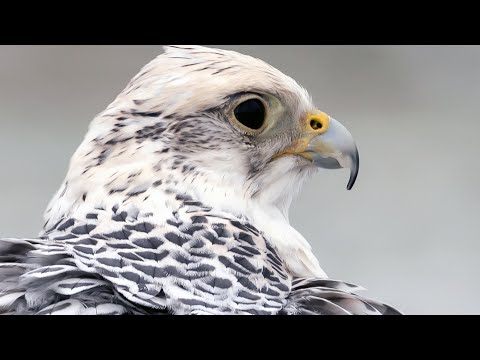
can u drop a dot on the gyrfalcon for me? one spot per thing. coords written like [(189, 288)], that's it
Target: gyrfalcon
[(177, 201)]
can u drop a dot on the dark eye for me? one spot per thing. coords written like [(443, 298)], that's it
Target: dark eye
[(251, 113)]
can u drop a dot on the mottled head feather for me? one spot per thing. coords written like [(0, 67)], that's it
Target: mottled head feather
[(187, 78), (168, 133)]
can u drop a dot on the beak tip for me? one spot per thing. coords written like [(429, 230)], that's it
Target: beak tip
[(350, 185), (354, 171)]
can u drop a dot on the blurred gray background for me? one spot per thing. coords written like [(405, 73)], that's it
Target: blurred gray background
[(408, 231)]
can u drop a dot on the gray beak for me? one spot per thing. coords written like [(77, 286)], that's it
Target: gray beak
[(335, 149)]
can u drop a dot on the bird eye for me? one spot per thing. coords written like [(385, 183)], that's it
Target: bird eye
[(251, 113)]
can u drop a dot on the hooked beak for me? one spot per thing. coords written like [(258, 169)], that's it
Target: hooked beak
[(335, 149), (328, 144)]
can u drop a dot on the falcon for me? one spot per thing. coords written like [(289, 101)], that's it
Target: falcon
[(177, 200)]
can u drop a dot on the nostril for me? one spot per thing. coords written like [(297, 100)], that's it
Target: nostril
[(315, 124)]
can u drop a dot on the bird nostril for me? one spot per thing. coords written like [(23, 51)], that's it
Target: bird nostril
[(315, 124)]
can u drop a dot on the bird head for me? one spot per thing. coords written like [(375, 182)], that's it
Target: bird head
[(224, 128)]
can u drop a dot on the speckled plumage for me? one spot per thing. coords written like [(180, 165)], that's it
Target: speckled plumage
[(168, 208)]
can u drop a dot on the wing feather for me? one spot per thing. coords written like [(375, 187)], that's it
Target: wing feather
[(315, 297)]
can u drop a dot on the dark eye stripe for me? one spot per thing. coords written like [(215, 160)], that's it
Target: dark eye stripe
[(251, 113)]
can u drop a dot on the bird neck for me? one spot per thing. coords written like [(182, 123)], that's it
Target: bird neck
[(155, 190)]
